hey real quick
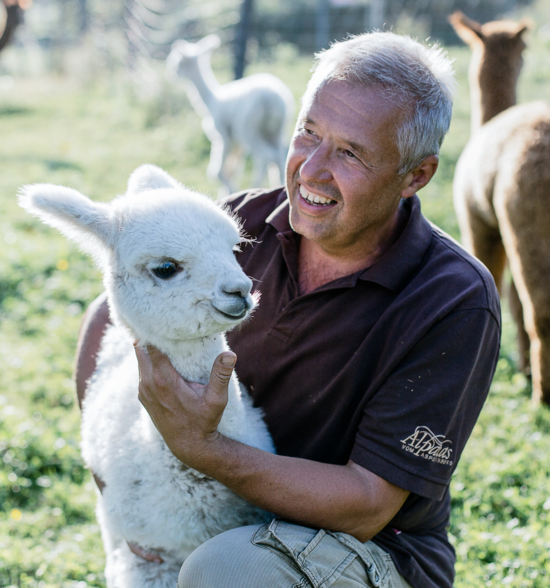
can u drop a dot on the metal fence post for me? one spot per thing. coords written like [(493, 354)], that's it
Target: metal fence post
[(243, 31), (322, 25)]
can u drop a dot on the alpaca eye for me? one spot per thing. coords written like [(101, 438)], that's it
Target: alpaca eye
[(165, 270)]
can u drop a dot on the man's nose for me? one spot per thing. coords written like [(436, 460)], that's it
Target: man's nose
[(317, 166)]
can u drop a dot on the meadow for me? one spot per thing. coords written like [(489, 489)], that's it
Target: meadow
[(90, 133)]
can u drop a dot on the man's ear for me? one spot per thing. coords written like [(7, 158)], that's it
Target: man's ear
[(419, 176)]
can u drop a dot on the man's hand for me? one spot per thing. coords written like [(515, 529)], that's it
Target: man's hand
[(186, 414), (144, 554)]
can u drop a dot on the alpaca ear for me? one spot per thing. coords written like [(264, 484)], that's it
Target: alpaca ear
[(76, 216), (210, 42), (182, 48), (150, 177), (179, 45), (467, 29), (525, 24)]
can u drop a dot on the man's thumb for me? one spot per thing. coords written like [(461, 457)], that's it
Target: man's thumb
[(221, 371)]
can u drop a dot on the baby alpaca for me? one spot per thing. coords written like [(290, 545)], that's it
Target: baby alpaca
[(173, 282), (249, 114)]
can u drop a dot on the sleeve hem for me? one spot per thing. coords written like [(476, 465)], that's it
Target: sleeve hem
[(396, 474)]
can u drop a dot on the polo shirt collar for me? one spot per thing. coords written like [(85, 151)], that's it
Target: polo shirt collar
[(399, 262)]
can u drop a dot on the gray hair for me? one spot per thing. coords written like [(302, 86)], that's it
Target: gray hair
[(417, 75)]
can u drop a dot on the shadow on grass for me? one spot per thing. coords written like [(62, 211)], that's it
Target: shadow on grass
[(14, 110), (57, 164)]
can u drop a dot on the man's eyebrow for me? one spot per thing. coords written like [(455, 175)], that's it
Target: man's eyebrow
[(358, 147), (355, 146)]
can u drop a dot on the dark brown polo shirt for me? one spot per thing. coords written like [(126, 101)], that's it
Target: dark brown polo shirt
[(389, 366)]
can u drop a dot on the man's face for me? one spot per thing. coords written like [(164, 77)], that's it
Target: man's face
[(344, 152)]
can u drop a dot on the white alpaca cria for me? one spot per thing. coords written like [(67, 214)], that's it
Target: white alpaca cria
[(249, 114), (172, 281)]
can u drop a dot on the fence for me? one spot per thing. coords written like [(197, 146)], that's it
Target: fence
[(148, 27)]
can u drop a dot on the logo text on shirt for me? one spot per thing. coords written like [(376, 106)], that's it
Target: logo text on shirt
[(426, 444)]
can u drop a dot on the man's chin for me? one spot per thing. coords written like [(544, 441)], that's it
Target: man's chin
[(306, 227)]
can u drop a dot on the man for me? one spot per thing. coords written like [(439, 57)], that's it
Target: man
[(371, 352)]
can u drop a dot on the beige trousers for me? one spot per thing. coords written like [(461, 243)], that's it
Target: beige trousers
[(282, 555)]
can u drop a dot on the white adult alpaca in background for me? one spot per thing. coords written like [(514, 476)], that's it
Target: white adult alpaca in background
[(249, 114), (172, 281)]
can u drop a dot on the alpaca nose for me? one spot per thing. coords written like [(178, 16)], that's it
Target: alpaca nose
[(233, 297), (240, 301)]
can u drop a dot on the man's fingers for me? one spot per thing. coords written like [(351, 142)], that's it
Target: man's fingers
[(154, 367), (221, 373), (156, 356), (145, 367), (143, 553)]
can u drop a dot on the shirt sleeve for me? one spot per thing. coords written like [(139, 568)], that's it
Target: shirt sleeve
[(415, 427)]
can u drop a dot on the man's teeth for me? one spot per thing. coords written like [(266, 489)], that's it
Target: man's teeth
[(313, 198)]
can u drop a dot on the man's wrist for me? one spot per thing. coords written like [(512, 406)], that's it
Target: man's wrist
[(200, 454)]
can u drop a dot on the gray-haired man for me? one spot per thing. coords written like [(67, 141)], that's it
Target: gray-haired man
[(371, 353)]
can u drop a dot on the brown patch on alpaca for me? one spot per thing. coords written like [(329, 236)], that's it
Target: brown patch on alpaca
[(502, 186)]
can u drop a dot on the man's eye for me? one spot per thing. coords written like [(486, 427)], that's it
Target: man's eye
[(165, 270), (349, 154)]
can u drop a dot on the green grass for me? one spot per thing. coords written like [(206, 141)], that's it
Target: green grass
[(91, 136)]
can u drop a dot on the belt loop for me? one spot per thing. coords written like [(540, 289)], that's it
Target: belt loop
[(373, 575)]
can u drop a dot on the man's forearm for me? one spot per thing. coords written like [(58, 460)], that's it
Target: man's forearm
[(339, 498)]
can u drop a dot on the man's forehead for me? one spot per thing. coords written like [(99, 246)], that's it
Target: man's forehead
[(343, 96)]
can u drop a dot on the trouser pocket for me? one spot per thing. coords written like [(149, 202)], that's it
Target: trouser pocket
[(320, 556)]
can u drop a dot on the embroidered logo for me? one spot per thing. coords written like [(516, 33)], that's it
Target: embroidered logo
[(426, 444)]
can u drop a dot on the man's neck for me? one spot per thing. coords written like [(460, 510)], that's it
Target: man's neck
[(317, 266)]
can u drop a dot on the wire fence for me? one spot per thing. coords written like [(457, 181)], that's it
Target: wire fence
[(147, 28)]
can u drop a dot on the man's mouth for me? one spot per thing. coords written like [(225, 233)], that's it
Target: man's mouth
[(314, 198)]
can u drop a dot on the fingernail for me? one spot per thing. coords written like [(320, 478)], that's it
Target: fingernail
[(228, 360)]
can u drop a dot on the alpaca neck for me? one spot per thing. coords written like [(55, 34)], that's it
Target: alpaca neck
[(492, 89), (204, 89), (193, 358)]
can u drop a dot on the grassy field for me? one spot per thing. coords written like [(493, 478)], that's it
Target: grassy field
[(90, 134)]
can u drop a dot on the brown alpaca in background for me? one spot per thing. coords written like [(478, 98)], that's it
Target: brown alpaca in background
[(502, 186)]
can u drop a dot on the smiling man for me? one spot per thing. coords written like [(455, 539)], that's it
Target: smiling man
[(371, 352)]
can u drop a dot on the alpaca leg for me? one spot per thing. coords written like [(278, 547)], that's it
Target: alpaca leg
[(216, 167), (259, 170), (485, 242), (112, 544), (516, 311), (533, 287), (235, 167), (266, 161), (133, 571), (124, 569), (524, 219), (274, 175)]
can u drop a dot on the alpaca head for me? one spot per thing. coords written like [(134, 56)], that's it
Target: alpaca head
[(499, 44), (167, 254), (184, 57)]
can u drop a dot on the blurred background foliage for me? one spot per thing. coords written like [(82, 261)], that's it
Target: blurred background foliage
[(83, 102)]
